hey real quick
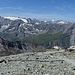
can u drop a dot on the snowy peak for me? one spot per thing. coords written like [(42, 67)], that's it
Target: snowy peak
[(61, 22), (25, 20), (36, 21), (17, 18), (12, 18)]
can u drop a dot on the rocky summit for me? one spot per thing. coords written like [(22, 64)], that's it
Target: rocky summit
[(51, 62)]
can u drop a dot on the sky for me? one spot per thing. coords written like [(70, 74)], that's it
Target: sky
[(40, 9)]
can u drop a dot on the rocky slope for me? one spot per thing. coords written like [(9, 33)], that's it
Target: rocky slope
[(8, 47), (42, 63)]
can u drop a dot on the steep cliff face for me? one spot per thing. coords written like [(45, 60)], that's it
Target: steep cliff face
[(72, 39)]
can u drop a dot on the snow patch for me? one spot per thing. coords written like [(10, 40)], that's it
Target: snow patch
[(24, 20), (53, 20), (37, 23), (29, 24), (45, 21), (61, 22), (12, 29), (12, 18), (5, 26), (16, 18)]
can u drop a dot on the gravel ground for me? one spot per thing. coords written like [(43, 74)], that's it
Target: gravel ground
[(41, 63)]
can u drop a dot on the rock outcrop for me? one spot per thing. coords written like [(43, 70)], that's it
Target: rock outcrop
[(8, 47)]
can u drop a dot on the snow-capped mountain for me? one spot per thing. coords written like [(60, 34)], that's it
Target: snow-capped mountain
[(17, 18), (11, 27), (29, 26)]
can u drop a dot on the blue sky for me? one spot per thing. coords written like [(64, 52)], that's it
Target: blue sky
[(41, 9)]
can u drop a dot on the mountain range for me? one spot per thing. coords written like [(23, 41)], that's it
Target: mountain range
[(32, 34)]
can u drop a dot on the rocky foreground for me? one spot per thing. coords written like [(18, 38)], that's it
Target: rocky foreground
[(41, 63)]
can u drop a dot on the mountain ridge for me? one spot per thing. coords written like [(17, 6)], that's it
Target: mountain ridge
[(43, 33)]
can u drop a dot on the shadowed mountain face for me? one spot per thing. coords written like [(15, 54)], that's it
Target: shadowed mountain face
[(20, 34), (72, 39), (8, 48)]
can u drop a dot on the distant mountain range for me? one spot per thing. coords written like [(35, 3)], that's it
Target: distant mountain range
[(33, 31)]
